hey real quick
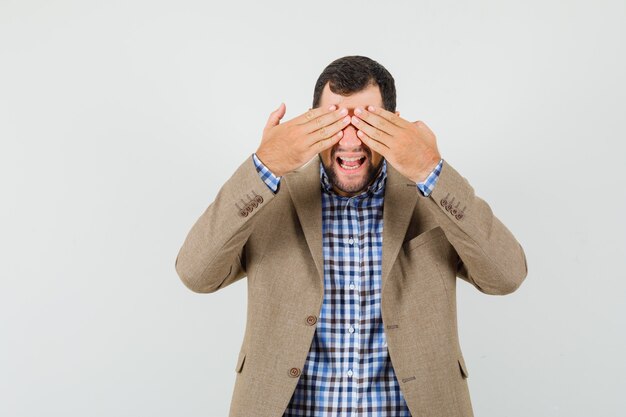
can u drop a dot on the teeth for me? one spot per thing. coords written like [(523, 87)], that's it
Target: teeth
[(349, 167), (353, 159)]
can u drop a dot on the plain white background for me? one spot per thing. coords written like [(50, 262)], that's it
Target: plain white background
[(120, 120)]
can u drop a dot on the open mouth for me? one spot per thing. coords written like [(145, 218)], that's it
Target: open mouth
[(352, 163)]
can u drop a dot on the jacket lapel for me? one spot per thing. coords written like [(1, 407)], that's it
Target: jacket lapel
[(400, 199), (306, 193)]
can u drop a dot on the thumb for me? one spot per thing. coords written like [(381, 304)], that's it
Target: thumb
[(276, 115)]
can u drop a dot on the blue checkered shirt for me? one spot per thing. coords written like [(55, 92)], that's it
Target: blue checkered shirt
[(348, 371)]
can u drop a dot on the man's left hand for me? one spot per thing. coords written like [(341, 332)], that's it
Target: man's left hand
[(411, 147)]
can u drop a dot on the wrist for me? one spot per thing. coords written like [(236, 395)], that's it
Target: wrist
[(424, 173), (269, 164)]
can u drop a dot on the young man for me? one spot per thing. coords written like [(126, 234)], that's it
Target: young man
[(351, 258)]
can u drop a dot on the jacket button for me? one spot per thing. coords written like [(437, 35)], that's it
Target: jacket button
[(294, 372), (311, 320), (444, 201)]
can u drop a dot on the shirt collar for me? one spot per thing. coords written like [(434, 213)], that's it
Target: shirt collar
[(376, 186)]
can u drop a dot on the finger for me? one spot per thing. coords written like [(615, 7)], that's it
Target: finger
[(324, 144), (312, 114), (371, 131), (327, 131), (390, 116), (324, 120), (374, 145), (276, 115), (377, 121)]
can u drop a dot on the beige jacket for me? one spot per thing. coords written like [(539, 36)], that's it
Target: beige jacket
[(276, 241)]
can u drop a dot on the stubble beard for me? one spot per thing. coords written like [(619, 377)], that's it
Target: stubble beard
[(352, 188)]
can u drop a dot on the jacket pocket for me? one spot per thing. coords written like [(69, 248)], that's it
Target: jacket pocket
[(463, 367), (422, 238), (240, 360)]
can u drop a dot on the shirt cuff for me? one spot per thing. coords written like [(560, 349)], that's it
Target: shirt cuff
[(271, 180), (428, 185)]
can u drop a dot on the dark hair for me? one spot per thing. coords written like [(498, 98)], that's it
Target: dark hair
[(354, 73)]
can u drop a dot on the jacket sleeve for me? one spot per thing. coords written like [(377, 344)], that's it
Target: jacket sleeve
[(212, 255), (490, 258)]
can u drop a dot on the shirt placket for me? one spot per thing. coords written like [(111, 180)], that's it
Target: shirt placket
[(354, 285)]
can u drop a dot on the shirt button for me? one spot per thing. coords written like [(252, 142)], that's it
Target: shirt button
[(351, 329), (351, 241), (352, 286), (349, 372)]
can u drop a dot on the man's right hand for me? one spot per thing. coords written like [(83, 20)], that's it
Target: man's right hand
[(286, 147)]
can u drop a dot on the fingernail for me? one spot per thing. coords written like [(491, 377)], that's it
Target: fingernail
[(331, 108), (343, 111), (371, 108), (358, 110), (355, 120)]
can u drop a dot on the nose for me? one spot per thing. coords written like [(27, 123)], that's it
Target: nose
[(349, 139)]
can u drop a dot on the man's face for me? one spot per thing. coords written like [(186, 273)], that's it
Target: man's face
[(349, 177)]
